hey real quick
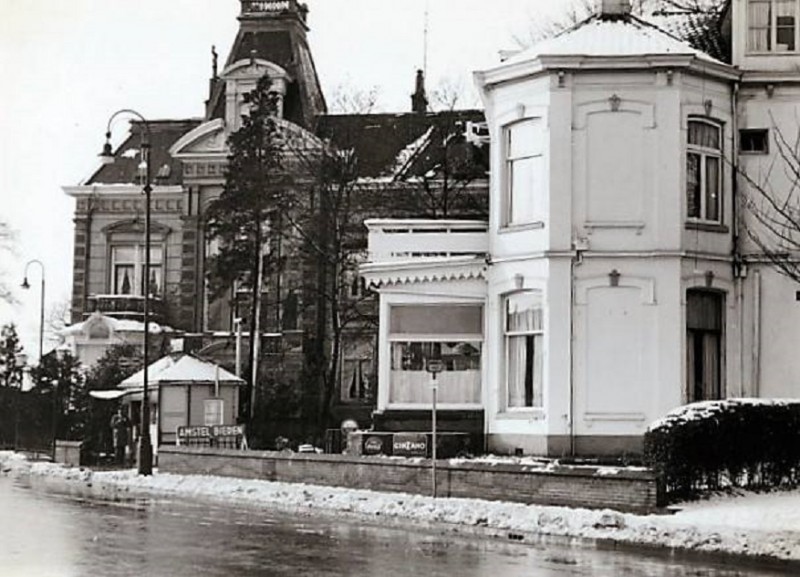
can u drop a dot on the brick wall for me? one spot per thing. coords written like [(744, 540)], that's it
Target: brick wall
[(567, 486)]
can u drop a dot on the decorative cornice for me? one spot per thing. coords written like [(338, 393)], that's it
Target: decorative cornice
[(392, 273)]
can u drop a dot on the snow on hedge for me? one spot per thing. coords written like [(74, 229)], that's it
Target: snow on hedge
[(706, 409), (754, 525)]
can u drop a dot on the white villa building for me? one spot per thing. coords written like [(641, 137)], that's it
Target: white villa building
[(616, 278)]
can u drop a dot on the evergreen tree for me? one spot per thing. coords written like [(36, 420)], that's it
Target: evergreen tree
[(10, 349), (246, 216), (59, 378)]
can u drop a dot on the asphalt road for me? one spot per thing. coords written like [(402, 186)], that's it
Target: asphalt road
[(44, 535)]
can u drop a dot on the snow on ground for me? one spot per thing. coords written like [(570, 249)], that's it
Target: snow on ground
[(750, 524)]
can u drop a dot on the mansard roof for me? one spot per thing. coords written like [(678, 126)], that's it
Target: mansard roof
[(163, 134), (405, 145)]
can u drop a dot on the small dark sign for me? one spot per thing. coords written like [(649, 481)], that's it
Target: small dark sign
[(410, 444), (373, 446), (435, 366)]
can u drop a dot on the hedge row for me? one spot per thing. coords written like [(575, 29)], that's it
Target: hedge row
[(748, 443)]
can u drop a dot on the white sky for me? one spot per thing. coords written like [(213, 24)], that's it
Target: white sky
[(67, 65)]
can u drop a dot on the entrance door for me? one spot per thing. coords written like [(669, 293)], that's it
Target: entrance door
[(704, 340)]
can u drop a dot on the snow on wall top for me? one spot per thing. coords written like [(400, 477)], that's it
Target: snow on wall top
[(611, 38)]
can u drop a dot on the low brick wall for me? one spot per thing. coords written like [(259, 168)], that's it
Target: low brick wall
[(568, 486)]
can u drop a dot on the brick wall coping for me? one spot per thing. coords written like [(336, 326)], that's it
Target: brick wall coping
[(603, 472)]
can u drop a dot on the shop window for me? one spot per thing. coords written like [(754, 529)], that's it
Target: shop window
[(754, 140), (772, 25), (523, 177), (524, 334), (450, 333), (704, 171), (128, 270)]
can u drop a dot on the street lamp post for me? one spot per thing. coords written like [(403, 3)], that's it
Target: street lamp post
[(26, 286), (145, 465)]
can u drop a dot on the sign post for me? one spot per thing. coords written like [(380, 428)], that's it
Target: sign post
[(434, 367)]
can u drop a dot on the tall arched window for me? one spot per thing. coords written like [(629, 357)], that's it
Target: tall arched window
[(704, 171)]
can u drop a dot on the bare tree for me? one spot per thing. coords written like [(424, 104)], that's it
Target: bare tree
[(349, 99), (771, 200), (7, 245)]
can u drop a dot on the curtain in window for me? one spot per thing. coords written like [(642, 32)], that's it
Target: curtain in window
[(758, 18), (704, 134), (524, 349), (123, 279)]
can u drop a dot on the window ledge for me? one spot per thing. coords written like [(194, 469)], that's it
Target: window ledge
[(707, 226), (510, 228), (526, 414)]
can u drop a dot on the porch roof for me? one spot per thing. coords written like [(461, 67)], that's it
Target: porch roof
[(181, 369), (424, 270)]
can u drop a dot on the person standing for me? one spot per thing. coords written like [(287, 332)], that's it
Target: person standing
[(119, 427)]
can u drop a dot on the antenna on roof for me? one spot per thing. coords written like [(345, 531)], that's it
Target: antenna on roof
[(425, 43)]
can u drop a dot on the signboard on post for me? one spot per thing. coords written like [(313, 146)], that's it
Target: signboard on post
[(435, 366)]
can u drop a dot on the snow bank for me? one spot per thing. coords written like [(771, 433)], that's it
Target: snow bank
[(765, 525)]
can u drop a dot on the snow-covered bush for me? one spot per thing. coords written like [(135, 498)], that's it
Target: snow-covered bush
[(752, 443)]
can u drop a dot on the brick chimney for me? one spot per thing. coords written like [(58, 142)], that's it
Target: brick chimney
[(613, 9)]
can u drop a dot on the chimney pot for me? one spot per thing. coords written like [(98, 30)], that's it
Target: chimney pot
[(614, 8)]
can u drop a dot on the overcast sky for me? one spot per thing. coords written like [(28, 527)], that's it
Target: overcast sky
[(67, 65)]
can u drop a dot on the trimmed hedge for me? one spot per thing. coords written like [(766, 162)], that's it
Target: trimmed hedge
[(748, 443)]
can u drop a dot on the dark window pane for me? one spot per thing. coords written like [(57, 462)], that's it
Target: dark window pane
[(712, 188), (436, 320), (693, 185)]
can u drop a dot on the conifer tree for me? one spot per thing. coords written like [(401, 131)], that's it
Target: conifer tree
[(244, 217)]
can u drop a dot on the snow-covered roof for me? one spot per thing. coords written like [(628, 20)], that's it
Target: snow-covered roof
[(115, 324), (602, 37), (181, 369)]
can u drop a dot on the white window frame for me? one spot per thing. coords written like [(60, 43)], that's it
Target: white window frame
[(509, 336), (772, 27), (536, 151), (138, 267), (705, 153)]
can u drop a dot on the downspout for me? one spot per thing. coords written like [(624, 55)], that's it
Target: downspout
[(575, 261), (738, 264), (756, 385)]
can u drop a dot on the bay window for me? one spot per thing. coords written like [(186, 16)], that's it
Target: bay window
[(421, 333), (524, 335), (704, 171)]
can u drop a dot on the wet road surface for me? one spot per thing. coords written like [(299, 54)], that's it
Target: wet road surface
[(44, 534)]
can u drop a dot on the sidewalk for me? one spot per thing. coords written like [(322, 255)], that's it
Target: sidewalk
[(752, 525)]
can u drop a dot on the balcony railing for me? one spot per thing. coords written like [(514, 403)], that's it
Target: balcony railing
[(127, 307), (409, 239)]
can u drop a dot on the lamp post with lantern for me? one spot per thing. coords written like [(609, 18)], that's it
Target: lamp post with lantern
[(145, 460), (26, 286)]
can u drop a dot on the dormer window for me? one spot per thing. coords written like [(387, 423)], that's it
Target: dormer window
[(772, 25)]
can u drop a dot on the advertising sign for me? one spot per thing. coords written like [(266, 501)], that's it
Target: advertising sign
[(373, 446), (410, 444)]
